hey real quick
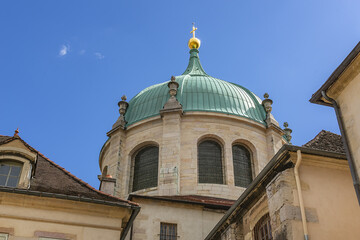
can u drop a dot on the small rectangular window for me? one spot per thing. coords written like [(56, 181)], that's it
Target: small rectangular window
[(4, 236), (168, 231)]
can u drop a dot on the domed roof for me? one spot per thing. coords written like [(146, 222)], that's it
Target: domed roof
[(197, 92)]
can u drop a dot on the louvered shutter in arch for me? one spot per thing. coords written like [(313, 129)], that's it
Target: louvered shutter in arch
[(146, 168), (210, 166), (242, 166)]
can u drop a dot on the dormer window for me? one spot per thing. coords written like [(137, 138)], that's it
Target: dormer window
[(10, 173)]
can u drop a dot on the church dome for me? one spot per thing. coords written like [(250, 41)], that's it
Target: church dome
[(197, 91)]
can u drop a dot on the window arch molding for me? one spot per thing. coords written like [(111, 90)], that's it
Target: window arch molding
[(253, 154), (18, 154), (142, 145), (133, 154), (212, 137), (220, 179)]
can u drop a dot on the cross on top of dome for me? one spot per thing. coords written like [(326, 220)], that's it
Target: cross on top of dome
[(194, 43)]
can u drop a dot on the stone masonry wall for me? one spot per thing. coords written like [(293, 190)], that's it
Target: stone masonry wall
[(284, 207), (178, 137)]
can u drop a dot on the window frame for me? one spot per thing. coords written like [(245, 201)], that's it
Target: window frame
[(12, 163), (223, 170), (4, 236), (167, 237), (264, 221), (251, 160), (132, 168)]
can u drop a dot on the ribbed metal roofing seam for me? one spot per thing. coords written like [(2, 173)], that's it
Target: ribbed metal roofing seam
[(197, 92)]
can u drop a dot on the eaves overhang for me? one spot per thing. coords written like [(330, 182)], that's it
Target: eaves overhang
[(189, 199), (317, 96), (67, 197)]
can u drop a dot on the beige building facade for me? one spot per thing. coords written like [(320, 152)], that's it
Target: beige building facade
[(272, 206), (341, 92), (39, 200), (193, 216)]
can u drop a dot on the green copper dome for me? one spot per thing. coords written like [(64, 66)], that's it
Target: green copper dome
[(197, 92)]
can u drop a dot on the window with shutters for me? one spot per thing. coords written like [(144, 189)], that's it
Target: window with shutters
[(242, 166), (210, 162), (10, 173), (4, 236), (262, 230), (168, 231), (145, 168)]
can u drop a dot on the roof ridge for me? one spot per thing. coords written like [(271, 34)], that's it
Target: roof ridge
[(80, 181), (313, 140), (327, 141)]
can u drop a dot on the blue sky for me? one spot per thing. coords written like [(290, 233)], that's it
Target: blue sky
[(64, 65)]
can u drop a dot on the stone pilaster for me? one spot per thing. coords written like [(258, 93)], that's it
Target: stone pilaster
[(118, 164), (274, 140), (170, 155), (169, 178)]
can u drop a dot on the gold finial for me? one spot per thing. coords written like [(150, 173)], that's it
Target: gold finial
[(194, 43)]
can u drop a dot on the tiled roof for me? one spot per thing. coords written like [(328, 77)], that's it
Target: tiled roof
[(3, 138), (327, 141), (211, 202), (51, 178)]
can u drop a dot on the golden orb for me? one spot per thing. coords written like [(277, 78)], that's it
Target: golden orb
[(194, 43)]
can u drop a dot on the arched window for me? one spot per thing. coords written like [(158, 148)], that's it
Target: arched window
[(262, 230), (146, 163), (242, 166), (10, 173), (210, 162)]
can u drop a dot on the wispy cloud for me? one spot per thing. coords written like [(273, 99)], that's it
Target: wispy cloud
[(82, 52), (64, 50), (99, 55)]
